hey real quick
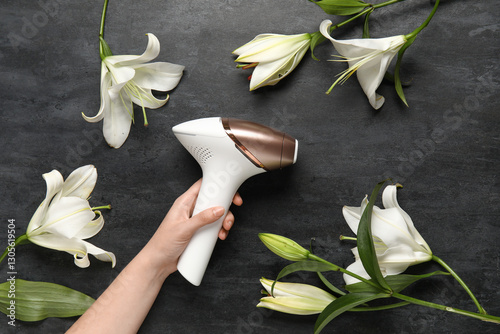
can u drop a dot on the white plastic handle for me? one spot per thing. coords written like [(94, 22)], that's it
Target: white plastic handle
[(194, 261)]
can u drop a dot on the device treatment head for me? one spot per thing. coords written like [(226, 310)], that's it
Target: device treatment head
[(265, 147)]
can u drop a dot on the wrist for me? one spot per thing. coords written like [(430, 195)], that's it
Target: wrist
[(156, 262)]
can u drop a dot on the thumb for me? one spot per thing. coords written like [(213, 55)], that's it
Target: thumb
[(206, 217)]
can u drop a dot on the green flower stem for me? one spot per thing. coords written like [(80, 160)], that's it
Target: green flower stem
[(101, 207), (102, 43), (387, 3), (103, 18), (484, 317), (16, 242), (378, 308), (366, 11), (342, 270), (459, 280), (423, 25)]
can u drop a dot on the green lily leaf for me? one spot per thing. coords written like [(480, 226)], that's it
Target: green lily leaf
[(330, 285), (105, 49), (343, 304), (34, 301), (304, 266), (397, 79), (341, 7), (389, 77), (365, 244), (396, 282), (316, 39), (366, 26)]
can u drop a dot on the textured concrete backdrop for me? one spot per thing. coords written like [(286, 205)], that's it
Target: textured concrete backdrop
[(444, 149)]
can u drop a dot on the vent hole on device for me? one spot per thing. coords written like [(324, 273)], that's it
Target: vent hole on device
[(200, 153)]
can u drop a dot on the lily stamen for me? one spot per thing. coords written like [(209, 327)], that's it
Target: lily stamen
[(249, 65)]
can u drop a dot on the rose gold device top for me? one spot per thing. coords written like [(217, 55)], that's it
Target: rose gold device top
[(265, 147)]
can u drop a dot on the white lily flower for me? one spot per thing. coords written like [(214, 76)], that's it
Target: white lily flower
[(368, 57), (65, 217), (398, 244), (295, 298), (274, 57), (129, 79)]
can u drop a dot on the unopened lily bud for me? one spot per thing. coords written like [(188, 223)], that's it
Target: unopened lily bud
[(295, 298), (346, 7), (274, 56), (284, 247)]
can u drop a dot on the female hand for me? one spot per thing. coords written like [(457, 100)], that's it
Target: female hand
[(177, 228)]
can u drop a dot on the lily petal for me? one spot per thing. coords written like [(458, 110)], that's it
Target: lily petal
[(60, 243), (99, 253), (389, 199), (105, 101), (352, 216), (284, 289), (357, 268), (390, 226), (152, 51), (398, 259), (78, 248), (146, 99), (117, 119), (54, 182), (159, 76), (270, 73), (265, 74), (119, 75), (370, 77), (273, 47), (66, 217), (79, 183), (294, 305), (359, 47), (92, 228), (295, 298), (248, 46), (324, 29)]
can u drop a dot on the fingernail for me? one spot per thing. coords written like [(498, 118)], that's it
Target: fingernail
[(219, 211), (229, 223)]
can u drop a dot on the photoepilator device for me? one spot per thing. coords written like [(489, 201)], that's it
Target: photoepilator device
[(229, 151)]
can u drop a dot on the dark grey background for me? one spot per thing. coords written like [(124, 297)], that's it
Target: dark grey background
[(444, 149)]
